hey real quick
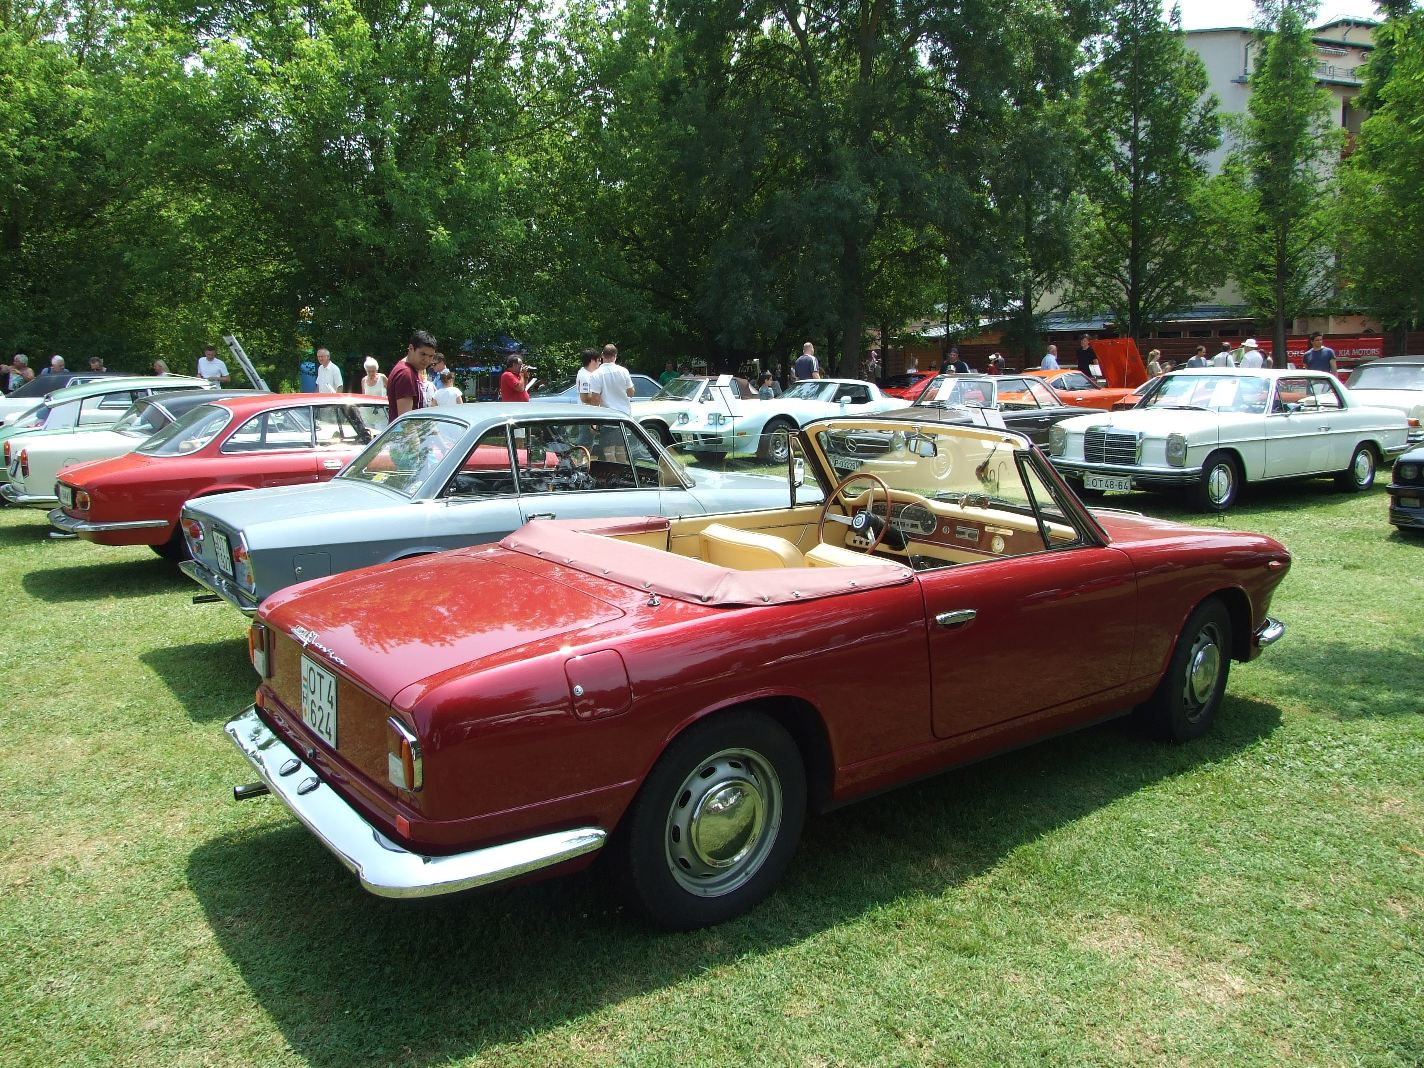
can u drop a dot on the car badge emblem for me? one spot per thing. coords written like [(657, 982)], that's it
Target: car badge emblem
[(308, 638)]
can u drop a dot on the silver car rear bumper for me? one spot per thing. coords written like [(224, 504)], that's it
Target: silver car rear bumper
[(221, 585), (12, 493), (384, 867)]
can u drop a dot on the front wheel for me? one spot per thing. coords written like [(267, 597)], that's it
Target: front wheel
[(776, 440), (661, 432), (1360, 475), (1186, 700), (716, 822), (1220, 482)]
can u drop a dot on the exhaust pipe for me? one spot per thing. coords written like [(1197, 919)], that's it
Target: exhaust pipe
[(250, 790), (205, 598)]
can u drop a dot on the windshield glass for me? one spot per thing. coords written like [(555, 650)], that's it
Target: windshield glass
[(32, 418), (1211, 391), (1388, 376), (956, 493), (681, 389), (189, 434), (810, 391), (549, 389), (956, 391), (406, 455), (143, 418)]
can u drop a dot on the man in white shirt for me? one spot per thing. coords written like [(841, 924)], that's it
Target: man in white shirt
[(328, 375), (1249, 354), (212, 368), (1050, 359), (591, 362), (1223, 358), (612, 384)]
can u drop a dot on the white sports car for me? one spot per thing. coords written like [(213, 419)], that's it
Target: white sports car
[(730, 426), (1211, 429), (682, 397)]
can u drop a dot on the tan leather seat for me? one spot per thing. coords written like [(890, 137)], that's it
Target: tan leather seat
[(824, 555), (747, 550)]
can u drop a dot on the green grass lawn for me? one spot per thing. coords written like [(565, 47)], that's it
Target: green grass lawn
[(1253, 898)]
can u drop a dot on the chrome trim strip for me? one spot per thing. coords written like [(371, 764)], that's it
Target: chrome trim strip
[(384, 867), (11, 492), (1269, 632), (1077, 468), (229, 591), (63, 522)]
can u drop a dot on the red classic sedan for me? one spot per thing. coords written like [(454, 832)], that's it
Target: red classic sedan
[(231, 444), (679, 693)]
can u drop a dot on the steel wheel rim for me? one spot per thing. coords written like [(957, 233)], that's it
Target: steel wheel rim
[(723, 822), (1364, 467), (780, 445), (1220, 482), (1204, 663)]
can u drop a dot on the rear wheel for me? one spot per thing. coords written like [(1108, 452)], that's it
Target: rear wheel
[(1186, 700), (175, 549), (1360, 475), (659, 431), (776, 440), (715, 824), (1220, 482)]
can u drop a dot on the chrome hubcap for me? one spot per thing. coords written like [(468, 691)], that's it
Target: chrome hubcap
[(723, 822), (1203, 671), (780, 446), (1219, 483), (1364, 466)]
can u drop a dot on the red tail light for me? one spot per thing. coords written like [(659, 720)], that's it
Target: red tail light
[(194, 530), (7, 454), (257, 649), (81, 500), (405, 765), (24, 462)]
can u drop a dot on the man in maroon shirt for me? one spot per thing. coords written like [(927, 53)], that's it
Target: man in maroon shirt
[(403, 392)]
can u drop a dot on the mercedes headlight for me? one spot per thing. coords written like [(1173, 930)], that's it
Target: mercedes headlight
[(1057, 441), (1177, 450)]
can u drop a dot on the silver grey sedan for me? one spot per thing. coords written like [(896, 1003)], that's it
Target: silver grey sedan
[(443, 478)]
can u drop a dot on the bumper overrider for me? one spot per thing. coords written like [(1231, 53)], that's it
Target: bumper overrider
[(70, 525), (384, 867), (13, 494), (221, 585), (1269, 632)]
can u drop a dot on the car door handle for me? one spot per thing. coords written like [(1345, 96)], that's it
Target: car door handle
[(956, 619), (543, 515)]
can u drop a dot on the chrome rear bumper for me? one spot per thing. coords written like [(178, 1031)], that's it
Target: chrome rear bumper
[(221, 585), (14, 495), (384, 867), (1269, 632)]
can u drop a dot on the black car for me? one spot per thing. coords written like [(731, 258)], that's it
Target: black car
[(1406, 491), (1028, 405)]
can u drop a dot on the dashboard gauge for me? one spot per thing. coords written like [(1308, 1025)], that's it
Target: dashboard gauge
[(997, 544), (915, 519)]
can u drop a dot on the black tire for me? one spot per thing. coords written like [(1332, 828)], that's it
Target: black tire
[(659, 431), (715, 824), (1220, 483), (1186, 701), (1083, 492), (775, 445), (1360, 475), (175, 549)]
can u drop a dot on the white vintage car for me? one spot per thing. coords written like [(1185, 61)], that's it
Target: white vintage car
[(1210, 430), (1393, 382), (729, 426), (679, 400)]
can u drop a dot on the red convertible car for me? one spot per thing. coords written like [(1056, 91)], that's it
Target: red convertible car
[(232, 444), (679, 693)]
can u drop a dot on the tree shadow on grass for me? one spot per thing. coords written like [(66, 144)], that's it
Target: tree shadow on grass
[(1256, 498), (129, 578), (351, 978), (211, 680)]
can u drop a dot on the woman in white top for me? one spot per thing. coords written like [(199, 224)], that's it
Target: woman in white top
[(448, 393), (374, 384)]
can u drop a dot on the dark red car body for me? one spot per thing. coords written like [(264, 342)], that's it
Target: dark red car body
[(134, 499)]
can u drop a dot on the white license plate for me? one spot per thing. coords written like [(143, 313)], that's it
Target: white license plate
[(846, 463), (1107, 482), (222, 549), (1409, 502), (319, 700), (66, 495)]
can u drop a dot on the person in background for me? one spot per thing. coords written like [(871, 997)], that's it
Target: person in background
[(212, 368), (160, 368), (872, 366), (1249, 355), (805, 367), (447, 393), (17, 372), (403, 388), (590, 361), (959, 365), (1198, 358), (1319, 357), (669, 373), (613, 384), (1086, 356), (1222, 358), (56, 365), (511, 383), (1168, 366), (1154, 363), (996, 364), (1050, 359), (766, 386), (96, 364), (430, 380), (328, 375), (950, 359), (373, 383)]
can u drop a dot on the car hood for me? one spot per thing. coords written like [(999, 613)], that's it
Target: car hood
[(420, 632), (1159, 422), (1408, 401), (249, 508)]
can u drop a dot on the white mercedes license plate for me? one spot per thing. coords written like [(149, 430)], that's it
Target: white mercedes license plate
[(1107, 482), (845, 463), (319, 700), (222, 549)]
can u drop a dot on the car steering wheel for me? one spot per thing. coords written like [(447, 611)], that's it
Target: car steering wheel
[(580, 464), (862, 522)]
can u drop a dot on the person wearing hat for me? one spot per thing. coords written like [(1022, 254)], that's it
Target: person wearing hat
[(1249, 354)]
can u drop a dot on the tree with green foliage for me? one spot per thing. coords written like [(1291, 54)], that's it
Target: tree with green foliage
[(1150, 242), (1291, 148), (1383, 184)]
